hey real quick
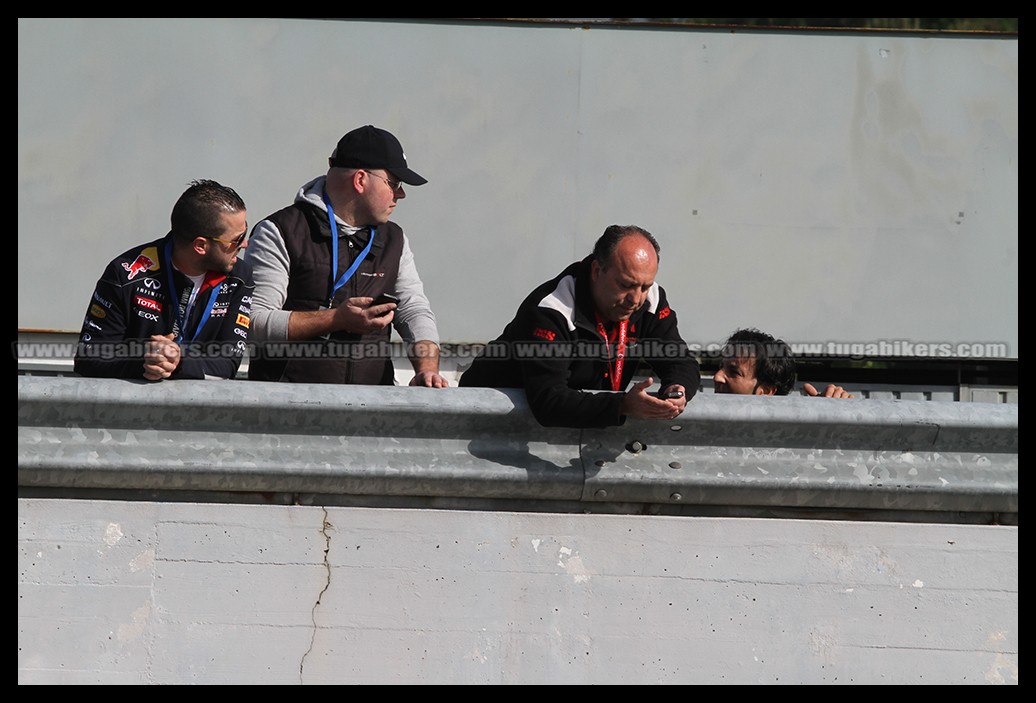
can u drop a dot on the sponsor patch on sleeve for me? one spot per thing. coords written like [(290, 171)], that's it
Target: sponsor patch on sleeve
[(242, 320), (544, 334), (664, 313)]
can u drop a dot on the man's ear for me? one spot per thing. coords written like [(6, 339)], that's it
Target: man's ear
[(358, 175), (200, 245), (765, 389), (595, 270)]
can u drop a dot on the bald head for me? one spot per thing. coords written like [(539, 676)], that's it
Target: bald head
[(635, 251), (604, 248)]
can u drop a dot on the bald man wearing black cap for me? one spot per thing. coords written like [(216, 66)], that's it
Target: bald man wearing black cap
[(321, 264)]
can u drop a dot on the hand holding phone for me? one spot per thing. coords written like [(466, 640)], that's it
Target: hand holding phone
[(385, 298)]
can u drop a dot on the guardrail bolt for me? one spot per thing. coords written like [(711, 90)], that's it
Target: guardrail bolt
[(601, 493), (636, 446), (676, 496)]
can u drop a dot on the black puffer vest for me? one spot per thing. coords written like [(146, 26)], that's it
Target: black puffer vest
[(344, 357)]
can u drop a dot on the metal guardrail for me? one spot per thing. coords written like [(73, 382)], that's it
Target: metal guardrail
[(791, 453)]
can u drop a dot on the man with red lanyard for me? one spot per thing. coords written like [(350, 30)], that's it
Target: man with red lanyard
[(589, 329)]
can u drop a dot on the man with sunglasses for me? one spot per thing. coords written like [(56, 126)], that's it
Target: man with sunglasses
[(321, 263), (176, 307)]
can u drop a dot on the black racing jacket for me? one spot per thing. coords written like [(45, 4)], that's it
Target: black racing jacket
[(553, 349), (138, 295)]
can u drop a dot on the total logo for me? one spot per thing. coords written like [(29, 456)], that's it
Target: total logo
[(149, 303)]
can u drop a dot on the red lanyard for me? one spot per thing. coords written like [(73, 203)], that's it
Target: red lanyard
[(620, 348)]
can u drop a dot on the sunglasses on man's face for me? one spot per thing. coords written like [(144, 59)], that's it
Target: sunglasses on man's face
[(234, 243)]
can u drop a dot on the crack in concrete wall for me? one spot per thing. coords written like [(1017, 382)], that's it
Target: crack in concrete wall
[(327, 584)]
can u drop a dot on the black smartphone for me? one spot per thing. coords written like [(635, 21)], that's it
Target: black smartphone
[(673, 394), (385, 298)]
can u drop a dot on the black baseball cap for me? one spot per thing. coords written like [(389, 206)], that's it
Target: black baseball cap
[(371, 147)]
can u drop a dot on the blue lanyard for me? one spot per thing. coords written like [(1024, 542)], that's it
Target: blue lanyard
[(334, 252), (175, 299)]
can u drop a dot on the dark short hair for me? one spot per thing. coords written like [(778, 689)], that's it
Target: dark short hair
[(197, 212), (605, 247), (774, 362)]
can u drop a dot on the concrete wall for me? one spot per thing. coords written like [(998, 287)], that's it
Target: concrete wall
[(840, 187), (184, 593)]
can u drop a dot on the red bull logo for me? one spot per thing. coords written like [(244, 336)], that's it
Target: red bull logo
[(146, 260), (139, 266)]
